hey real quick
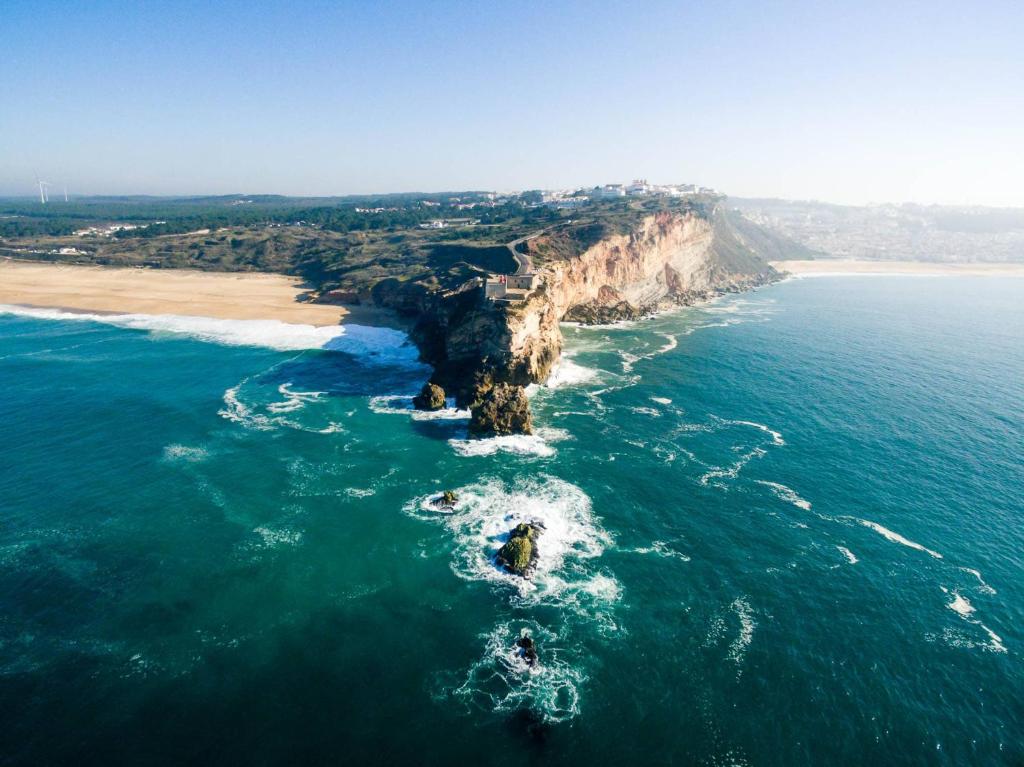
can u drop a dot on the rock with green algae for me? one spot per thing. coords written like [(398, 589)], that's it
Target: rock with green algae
[(519, 553), (446, 500)]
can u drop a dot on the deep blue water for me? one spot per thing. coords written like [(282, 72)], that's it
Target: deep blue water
[(782, 529)]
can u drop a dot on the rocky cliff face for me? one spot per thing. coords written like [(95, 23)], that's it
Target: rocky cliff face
[(668, 258)]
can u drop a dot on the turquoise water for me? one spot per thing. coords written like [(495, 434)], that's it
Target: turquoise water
[(782, 529)]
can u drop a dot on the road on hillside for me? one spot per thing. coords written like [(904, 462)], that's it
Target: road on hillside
[(523, 263)]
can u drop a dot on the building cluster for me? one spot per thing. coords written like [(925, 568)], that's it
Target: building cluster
[(110, 230), (445, 223), (565, 198)]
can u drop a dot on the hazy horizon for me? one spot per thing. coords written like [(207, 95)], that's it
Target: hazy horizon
[(873, 104)]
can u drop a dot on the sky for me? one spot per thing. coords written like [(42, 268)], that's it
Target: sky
[(850, 102)]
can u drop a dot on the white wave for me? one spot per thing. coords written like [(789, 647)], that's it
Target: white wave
[(384, 345), (536, 444), (236, 410), (738, 647), (401, 404), (293, 400), (273, 538), (661, 400), (569, 373), (381, 344), (662, 549), (628, 360), (359, 492), (733, 471), (502, 681), (960, 640), (653, 413), (896, 537), (786, 494), (185, 453), (960, 605), (776, 436), (848, 554), (488, 510), (984, 587), (270, 333)]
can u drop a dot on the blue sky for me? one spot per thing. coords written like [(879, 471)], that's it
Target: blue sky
[(848, 102)]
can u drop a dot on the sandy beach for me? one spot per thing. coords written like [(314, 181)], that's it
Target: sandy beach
[(838, 267), (238, 296)]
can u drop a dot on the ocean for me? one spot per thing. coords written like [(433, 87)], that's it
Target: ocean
[(783, 528)]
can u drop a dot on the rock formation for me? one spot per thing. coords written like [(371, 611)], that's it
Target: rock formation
[(485, 352), (502, 409), (527, 649), (519, 554), (431, 397), (446, 500)]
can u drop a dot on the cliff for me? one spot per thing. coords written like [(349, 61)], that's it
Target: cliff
[(663, 258)]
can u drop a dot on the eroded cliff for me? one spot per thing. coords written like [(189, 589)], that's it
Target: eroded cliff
[(665, 258)]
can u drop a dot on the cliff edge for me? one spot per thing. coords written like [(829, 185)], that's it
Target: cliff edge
[(485, 351)]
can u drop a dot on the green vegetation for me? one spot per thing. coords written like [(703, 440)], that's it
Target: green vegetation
[(518, 553), (349, 244)]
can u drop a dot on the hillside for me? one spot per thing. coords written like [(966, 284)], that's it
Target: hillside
[(908, 232)]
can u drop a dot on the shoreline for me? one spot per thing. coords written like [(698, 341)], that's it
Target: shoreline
[(181, 292), (853, 268)]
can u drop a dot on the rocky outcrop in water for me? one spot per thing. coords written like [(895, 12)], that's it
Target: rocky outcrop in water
[(446, 500), (527, 649), (431, 397), (519, 554), (502, 409), (594, 313)]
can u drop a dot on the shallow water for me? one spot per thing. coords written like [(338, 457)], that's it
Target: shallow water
[(781, 529)]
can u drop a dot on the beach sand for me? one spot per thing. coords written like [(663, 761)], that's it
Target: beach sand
[(237, 296), (837, 267)]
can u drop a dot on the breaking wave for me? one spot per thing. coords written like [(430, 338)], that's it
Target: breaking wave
[(786, 494), (374, 343), (896, 537), (501, 681), (401, 404), (537, 444), (569, 373), (570, 539), (850, 556)]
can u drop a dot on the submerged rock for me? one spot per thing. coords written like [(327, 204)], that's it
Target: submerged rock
[(503, 409), (519, 554), (527, 649), (431, 397), (446, 500)]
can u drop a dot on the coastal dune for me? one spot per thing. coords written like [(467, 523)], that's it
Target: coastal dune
[(234, 296)]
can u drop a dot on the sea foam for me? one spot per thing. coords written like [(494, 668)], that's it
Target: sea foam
[(502, 681), (897, 538), (488, 510), (786, 494), (382, 344), (537, 444)]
